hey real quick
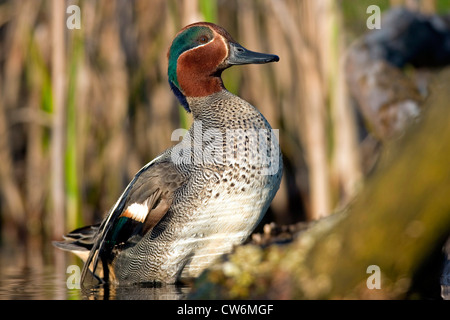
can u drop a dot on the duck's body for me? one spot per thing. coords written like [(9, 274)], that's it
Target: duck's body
[(198, 199)]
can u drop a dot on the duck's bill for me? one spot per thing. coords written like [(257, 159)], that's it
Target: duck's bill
[(239, 55)]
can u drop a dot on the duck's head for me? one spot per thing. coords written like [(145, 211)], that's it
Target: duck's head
[(198, 55)]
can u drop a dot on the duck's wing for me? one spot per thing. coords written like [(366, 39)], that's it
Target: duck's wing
[(142, 205)]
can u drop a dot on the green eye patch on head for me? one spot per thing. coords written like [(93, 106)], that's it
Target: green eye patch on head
[(186, 40)]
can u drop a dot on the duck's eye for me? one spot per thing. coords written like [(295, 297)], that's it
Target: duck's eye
[(202, 39)]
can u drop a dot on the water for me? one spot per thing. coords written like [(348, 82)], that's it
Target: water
[(37, 273), (40, 273)]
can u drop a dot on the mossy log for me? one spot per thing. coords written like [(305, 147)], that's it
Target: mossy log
[(398, 220)]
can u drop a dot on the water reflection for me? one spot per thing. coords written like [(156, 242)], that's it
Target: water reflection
[(136, 292), (41, 273), (31, 273)]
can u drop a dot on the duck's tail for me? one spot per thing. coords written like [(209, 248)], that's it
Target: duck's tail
[(80, 242)]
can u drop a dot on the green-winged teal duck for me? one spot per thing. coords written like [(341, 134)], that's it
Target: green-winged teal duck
[(199, 198)]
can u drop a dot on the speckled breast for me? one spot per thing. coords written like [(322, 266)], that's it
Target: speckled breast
[(234, 166)]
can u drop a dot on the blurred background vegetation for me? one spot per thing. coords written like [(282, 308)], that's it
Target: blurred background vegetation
[(81, 111)]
